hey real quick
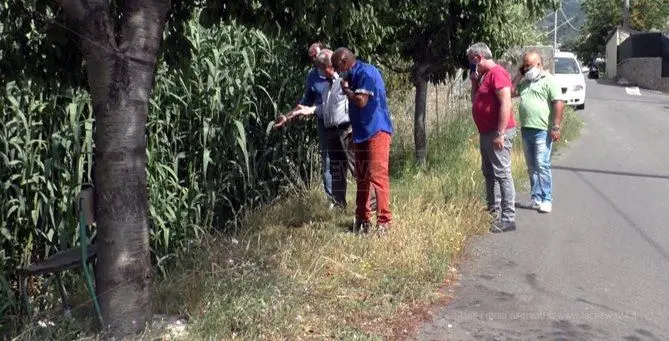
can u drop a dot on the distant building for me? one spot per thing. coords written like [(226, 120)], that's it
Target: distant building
[(614, 39), (643, 59)]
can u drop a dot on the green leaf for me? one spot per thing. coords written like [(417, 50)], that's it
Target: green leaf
[(5, 233), (268, 129)]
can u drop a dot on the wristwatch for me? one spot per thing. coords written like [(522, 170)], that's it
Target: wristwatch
[(499, 133), (555, 128)]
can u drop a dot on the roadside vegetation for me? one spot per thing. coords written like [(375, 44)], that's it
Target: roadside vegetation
[(241, 239), (294, 272)]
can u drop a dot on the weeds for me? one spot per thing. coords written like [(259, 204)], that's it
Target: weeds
[(295, 272), (285, 268)]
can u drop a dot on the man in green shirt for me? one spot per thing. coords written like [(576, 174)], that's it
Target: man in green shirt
[(541, 109)]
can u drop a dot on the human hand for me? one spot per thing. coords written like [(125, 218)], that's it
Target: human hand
[(522, 70), (305, 110), (280, 121), (498, 142), (344, 84), (555, 135)]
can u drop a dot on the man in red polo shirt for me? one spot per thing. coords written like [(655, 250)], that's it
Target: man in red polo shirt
[(491, 110)]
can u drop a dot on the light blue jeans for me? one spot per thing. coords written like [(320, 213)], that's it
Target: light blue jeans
[(537, 146), (325, 159)]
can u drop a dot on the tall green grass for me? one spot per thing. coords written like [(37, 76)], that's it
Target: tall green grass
[(45, 144), (210, 157)]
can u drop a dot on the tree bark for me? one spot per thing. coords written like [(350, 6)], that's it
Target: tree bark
[(419, 126), (120, 73)]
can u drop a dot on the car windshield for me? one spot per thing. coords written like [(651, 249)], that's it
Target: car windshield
[(566, 66)]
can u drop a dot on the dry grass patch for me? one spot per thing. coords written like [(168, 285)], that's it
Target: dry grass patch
[(279, 282), (295, 273)]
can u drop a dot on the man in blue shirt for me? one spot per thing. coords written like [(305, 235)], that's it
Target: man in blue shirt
[(317, 85), (364, 87), (333, 112)]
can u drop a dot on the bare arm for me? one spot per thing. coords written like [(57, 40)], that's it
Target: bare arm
[(504, 96), (557, 100), (516, 81), (297, 111), (558, 109), (360, 100), (291, 114)]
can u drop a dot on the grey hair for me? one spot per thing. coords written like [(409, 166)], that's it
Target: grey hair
[(480, 49), (324, 58)]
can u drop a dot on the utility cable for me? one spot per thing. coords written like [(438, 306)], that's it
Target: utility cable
[(565, 18)]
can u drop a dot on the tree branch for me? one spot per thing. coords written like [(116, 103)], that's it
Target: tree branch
[(407, 69)]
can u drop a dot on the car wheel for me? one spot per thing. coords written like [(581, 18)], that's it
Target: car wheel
[(580, 106)]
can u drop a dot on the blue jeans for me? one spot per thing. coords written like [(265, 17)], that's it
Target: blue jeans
[(537, 146), (325, 158)]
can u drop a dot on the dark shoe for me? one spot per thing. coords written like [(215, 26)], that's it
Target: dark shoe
[(505, 226), (338, 206), (361, 227)]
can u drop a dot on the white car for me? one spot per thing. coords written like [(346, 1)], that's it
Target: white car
[(569, 76)]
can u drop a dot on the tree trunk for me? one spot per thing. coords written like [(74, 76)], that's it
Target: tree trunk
[(121, 77), (419, 126)]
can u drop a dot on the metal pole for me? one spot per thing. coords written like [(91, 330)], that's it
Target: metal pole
[(626, 14), (555, 31)]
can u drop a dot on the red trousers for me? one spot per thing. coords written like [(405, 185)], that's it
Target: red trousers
[(371, 166)]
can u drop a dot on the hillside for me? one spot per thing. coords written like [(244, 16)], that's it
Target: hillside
[(572, 10)]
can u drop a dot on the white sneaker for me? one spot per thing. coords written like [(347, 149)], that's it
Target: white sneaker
[(546, 207)]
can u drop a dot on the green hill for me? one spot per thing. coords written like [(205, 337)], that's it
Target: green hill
[(572, 10)]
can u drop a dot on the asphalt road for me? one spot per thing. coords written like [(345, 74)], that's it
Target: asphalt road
[(597, 267)]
